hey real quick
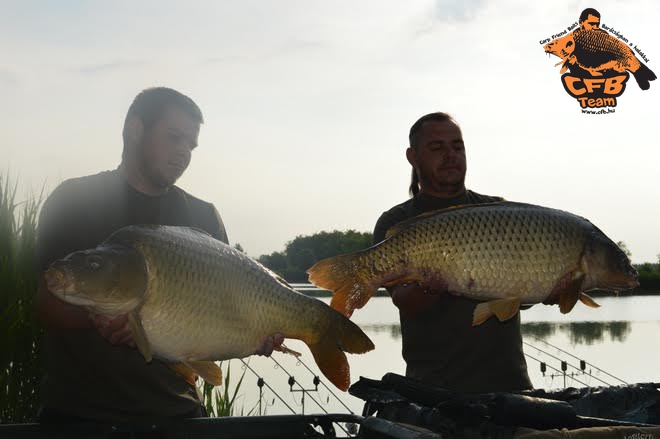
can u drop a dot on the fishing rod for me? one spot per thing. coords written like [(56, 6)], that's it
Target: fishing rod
[(326, 387), (577, 358), (562, 373), (293, 381), (267, 385), (567, 363)]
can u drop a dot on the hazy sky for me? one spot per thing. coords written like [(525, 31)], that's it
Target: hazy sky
[(308, 104)]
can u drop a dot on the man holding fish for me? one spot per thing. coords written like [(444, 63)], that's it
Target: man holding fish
[(94, 371), (459, 266), (440, 345)]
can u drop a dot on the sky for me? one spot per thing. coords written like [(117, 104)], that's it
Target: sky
[(308, 103)]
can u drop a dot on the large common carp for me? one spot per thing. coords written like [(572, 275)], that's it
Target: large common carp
[(192, 299), (502, 253)]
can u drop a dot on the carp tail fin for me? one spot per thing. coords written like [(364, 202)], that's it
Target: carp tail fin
[(346, 277)]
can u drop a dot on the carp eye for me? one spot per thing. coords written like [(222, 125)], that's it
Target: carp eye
[(94, 262)]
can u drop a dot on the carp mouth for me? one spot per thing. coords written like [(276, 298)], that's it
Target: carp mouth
[(59, 282)]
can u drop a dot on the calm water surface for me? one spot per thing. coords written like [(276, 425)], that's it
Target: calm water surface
[(620, 338)]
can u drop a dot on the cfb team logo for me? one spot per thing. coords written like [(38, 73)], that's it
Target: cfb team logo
[(597, 62)]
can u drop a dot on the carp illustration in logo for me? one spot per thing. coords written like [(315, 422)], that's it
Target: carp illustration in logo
[(598, 63)]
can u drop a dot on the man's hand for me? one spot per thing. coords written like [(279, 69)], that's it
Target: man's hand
[(270, 343), (116, 330), (412, 299)]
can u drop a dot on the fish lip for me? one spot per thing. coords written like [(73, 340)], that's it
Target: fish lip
[(59, 284), (56, 280)]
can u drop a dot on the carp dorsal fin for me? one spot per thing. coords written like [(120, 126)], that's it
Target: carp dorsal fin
[(139, 336), (397, 228)]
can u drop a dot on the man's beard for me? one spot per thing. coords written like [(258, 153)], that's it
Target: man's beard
[(443, 186), (151, 173)]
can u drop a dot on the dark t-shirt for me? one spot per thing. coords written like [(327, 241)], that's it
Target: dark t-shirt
[(440, 345), (86, 376)]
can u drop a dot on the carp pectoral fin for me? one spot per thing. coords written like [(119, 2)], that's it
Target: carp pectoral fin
[(482, 313), (589, 301), (286, 350), (503, 309), (571, 293), (139, 336), (208, 370), (186, 372), (567, 301)]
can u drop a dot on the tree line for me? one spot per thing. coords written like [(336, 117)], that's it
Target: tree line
[(304, 251)]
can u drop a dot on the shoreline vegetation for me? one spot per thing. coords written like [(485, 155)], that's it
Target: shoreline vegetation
[(20, 332), (21, 367)]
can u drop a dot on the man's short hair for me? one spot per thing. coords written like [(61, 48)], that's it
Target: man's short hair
[(150, 105), (416, 128), (589, 11)]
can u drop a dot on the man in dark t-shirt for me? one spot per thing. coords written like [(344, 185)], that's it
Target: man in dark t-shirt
[(93, 371), (440, 345)]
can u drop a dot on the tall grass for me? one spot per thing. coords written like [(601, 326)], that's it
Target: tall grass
[(20, 332), (220, 402)]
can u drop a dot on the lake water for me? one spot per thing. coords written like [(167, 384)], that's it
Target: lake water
[(619, 340)]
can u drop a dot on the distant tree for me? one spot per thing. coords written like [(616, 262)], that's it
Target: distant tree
[(239, 247), (276, 261), (304, 251), (622, 245)]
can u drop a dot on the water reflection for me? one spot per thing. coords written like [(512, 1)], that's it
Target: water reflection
[(580, 333), (394, 330)]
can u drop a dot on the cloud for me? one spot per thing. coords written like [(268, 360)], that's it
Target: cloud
[(456, 10), (105, 68)]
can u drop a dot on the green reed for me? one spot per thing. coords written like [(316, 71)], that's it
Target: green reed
[(20, 331), (220, 402)]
